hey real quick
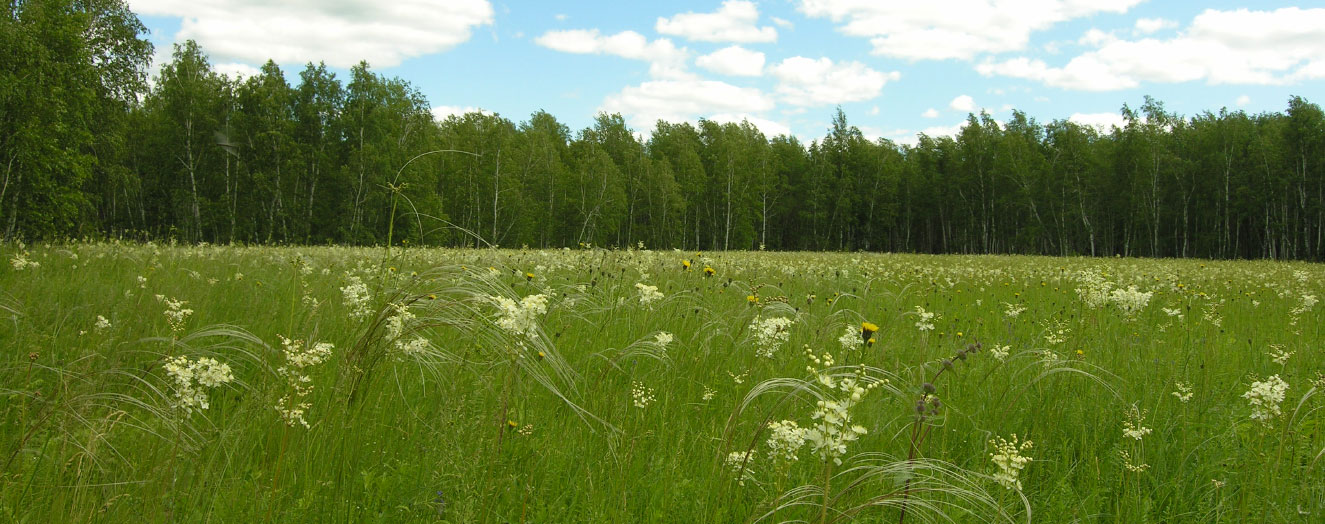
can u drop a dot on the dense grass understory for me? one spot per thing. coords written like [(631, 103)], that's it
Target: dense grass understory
[(237, 384)]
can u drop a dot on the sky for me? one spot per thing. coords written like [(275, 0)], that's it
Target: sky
[(896, 68)]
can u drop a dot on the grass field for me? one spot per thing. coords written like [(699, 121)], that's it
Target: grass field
[(323, 384)]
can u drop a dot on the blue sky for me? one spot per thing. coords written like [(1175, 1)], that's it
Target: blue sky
[(896, 68)]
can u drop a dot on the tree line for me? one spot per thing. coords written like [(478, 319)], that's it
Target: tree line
[(91, 148)]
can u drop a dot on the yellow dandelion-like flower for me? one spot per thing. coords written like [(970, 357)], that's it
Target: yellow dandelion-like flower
[(867, 331), (685, 265), (709, 271), (512, 424), (528, 277), (752, 299)]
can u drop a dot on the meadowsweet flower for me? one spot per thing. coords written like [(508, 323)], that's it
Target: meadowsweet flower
[(770, 333), (192, 379), (1012, 310), (739, 462), (925, 322), (1265, 397), (640, 395), (175, 312), (663, 338), (21, 261), (999, 352), (785, 439), (647, 294), (1094, 290), (1279, 355), (709, 393), (357, 298), (1183, 393), (833, 429), (102, 324), (1132, 425), (520, 318), (1131, 464), (298, 357), (1130, 300), (1007, 456)]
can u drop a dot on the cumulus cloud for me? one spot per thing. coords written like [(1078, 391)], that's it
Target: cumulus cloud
[(769, 128), (440, 113), (960, 29), (665, 59), (684, 100), (734, 60), (809, 82), (930, 113), (234, 70), (1145, 26), (1220, 47), (340, 33), (1104, 122), (733, 22), (963, 103), (1243, 100)]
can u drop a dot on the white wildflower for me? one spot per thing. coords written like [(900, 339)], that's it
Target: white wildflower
[(648, 294), (663, 338), (1132, 426), (640, 395), (520, 318), (1009, 460), (739, 463), (1265, 397), (1130, 300), (785, 439), (999, 352), (193, 378), (1012, 310), (298, 357), (175, 312), (357, 298), (1183, 393), (926, 320), (770, 333), (102, 324)]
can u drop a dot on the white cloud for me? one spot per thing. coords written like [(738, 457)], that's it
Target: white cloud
[(733, 22), (938, 131), (561, 17), (1243, 100), (874, 111), (440, 113), (684, 100), (1145, 26), (1220, 47), (236, 70), (961, 29), (809, 82), (665, 59), (930, 113), (768, 127), (963, 103), (1104, 122), (734, 60), (783, 23), (341, 33)]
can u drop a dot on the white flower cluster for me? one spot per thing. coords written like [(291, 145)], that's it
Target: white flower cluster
[(193, 378), (1265, 397), (739, 462), (1094, 290), (785, 438), (850, 340), (999, 352), (102, 324), (396, 327), (648, 294), (21, 261), (640, 395), (297, 357), (1130, 300), (770, 333), (663, 338), (175, 312), (1012, 310), (1308, 302), (1132, 426), (1183, 393), (833, 430), (926, 321), (357, 298), (1007, 456), (520, 318)]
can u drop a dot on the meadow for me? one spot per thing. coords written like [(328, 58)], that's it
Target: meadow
[(157, 383)]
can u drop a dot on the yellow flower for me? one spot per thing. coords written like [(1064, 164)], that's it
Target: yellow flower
[(528, 276), (685, 264), (870, 342), (708, 271), (752, 299), (541, 356), (432, 296), (511, 423), (867, 330)]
